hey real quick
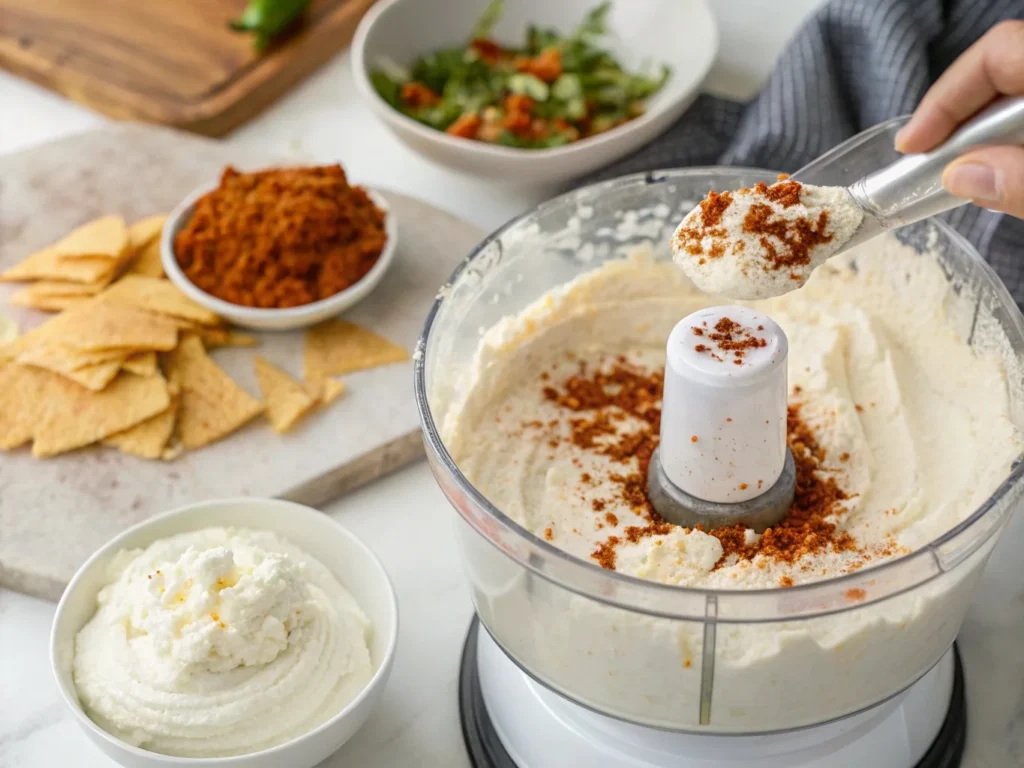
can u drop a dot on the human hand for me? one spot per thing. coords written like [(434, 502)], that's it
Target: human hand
[(992, 177)]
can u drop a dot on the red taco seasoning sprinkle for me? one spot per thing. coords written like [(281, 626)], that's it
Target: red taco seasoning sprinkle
[(764, 240), (729, 336), (593, 400)]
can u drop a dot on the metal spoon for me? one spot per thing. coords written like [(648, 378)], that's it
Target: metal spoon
[(910, 189)]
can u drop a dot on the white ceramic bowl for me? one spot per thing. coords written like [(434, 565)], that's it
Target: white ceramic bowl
[(349, 559), (274, 319), (680, 33)]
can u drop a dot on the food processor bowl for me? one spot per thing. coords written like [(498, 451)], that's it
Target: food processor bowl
[(683, 659)]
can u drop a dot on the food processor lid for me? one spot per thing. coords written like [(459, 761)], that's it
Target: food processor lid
[(815, 599)]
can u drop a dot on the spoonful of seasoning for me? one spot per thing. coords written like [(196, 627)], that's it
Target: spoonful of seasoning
[(766, 240)]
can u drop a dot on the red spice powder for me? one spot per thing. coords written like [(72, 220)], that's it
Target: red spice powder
[(281, 238), (599, 396), (713, 206)]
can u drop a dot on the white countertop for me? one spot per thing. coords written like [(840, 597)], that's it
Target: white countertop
[(417, 723)]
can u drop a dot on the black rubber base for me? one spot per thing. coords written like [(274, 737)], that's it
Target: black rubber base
[(486, 751)]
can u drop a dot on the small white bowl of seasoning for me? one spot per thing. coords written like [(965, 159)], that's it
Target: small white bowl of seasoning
[(270, 675), (274, 319)]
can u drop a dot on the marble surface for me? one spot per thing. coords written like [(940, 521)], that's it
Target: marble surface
[(373, 429), (406, 520), (404, 516)]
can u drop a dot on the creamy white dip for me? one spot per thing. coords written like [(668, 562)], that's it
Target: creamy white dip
[(726, 248), (220, 642), (885, 377), (913, 423)]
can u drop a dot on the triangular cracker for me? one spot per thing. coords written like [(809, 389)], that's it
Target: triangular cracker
[(70, 416), (148, 261), (326, 390), (286, 399), (156, 295), (145, 231), (46, 303), (19, 387), (105, 237), (55, 358), (212, 405), (141, 363), (60, 288), (47, 264), (103, 325), (147, 439), (338, 346)]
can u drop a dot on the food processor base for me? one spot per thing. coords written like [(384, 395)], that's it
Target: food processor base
[(511, 721)]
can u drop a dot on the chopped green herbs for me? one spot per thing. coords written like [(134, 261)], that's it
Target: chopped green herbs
[(554, 90)]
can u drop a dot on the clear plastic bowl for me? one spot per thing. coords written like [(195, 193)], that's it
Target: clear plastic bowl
[(679, 658)]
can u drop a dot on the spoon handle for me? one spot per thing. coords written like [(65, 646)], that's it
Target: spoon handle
[(910, 189)]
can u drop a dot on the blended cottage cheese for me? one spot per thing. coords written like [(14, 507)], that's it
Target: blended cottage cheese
[(911, 431), (220, 642), (911, 426), (763, 241)]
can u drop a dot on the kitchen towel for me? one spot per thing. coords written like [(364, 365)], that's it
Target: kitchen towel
[(855, 64)]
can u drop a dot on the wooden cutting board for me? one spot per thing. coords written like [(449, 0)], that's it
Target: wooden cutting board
[(173, 62), (55, 512)]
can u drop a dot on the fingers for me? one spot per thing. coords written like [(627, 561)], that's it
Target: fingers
[(991, 177), (992, 66)]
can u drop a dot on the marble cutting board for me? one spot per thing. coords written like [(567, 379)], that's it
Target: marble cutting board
[(55, 512)]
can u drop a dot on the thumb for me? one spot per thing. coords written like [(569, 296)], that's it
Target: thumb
[(992, 178)]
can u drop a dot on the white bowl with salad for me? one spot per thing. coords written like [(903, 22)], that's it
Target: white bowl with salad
[(532, 90)]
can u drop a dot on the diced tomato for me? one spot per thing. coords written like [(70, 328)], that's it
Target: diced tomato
[(547, 66), (517, 102), (489, 51), (517, 122), (465, 126), (418, 95)]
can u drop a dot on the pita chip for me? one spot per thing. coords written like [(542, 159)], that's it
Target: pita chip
[(325, 391), (212, 405), (155, 295), (60, 288), (148, 261), (287, 400), (148, 439), (70, 416), (8, 331), (55, 358), (45, 303), (141, 363), (338, 346), (102, 325), (145, 231), (47, 264), (18, 391), (105, 237)]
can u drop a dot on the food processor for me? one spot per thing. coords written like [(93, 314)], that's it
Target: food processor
[(568, 663)]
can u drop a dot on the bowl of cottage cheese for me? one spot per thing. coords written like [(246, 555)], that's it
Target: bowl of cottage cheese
[(539, 381), (251, 629)]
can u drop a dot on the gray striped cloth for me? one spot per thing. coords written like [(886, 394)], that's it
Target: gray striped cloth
[(855, 64)]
